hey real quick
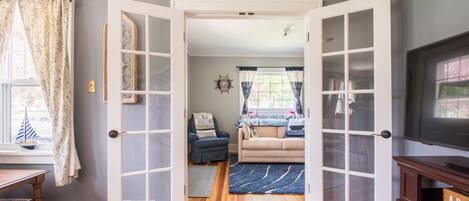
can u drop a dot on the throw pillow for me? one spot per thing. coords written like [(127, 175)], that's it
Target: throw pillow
[(292, 127), (252, 132), (296, 124)]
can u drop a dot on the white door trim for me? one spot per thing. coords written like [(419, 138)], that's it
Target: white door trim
[(257, 6), (272, 15)]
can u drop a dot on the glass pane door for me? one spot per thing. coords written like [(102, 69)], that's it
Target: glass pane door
[(144, 62), (348, 107), (355, 162)]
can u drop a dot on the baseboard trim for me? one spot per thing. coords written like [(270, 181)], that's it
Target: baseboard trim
[(233, 148)]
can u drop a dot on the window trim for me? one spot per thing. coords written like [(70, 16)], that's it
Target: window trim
[(13, 154), (263, 71)]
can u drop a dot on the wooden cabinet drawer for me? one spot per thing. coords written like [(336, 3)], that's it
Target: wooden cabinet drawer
[(450, 194)]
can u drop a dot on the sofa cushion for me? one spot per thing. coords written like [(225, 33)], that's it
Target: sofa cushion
[(263, 143), (266, 131), (273, 153), (281, 132), (293, 144), (210, 142)]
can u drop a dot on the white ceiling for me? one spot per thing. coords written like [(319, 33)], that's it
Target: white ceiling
[(243, 37)]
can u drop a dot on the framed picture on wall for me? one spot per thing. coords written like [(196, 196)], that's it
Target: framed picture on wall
[(129, 61)]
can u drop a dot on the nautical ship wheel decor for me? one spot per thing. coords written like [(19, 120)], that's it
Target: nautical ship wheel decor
[(224, 83)]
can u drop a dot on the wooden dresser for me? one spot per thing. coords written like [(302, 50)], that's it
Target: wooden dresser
[(451, 170)]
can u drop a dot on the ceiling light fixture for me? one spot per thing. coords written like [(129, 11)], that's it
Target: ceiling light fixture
[(286, 31)]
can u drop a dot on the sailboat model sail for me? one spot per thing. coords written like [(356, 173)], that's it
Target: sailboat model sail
[(26, 135)]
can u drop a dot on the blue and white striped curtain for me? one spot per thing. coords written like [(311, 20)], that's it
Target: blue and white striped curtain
[(246, 78), (295, 76)]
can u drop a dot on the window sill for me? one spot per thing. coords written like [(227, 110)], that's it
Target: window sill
[(13, 154)]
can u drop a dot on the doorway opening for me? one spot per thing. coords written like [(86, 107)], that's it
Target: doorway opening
[(245, 100)]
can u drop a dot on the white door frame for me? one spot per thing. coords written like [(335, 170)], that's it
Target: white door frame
[(271, 16), (313, 102)]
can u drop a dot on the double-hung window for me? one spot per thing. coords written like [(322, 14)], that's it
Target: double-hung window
[(271, 94), (20, 90)]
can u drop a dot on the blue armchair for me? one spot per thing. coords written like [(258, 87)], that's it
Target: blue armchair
[(208, 149)]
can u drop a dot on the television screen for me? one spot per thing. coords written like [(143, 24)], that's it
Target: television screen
[(438, 93)]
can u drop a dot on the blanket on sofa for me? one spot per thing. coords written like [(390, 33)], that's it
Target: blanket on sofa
[(204, 125)]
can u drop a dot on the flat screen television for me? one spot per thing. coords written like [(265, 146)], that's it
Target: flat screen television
[(437, 109)]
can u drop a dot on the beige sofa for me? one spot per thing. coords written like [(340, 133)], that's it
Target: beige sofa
[(269, 145)]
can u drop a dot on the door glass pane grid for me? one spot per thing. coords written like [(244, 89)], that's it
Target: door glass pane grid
[(360, 29), (146, 169), (149, 50), (362, 175)]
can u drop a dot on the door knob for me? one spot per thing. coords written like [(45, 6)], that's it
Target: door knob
[(384, 134), (113, 134)]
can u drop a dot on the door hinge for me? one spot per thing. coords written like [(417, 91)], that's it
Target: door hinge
[(185, 111), (185, 191), (307, 37), (309, 188), (309, 113), (184, 37)]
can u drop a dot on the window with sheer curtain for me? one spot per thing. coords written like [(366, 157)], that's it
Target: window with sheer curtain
[(20, 89)]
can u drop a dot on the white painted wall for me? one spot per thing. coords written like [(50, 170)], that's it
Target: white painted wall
[(203, 71)]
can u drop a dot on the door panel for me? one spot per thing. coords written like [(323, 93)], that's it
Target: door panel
[(146, 102), (349, 89)]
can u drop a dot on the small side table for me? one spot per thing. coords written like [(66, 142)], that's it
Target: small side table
[(12, 179)]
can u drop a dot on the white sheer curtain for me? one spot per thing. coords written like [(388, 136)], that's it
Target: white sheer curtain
[(295, 77), (246, 78), (7, 8), (48, 28)]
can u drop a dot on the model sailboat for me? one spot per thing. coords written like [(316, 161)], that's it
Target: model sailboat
[(26, 136)]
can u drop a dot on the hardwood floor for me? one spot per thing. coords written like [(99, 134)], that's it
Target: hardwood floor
[(220, 190)]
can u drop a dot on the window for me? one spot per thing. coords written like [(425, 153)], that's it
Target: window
[(452, 88), (20, 88), (271, 94)]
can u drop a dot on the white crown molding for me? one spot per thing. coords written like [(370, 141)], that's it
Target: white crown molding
[(246, 55), (260, 6)]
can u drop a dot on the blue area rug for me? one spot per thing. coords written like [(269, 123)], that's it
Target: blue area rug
[(266, 178)]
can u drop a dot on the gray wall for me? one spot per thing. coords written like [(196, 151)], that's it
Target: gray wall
[(416, 23), (424, 22), (90, 115), (203, 71)]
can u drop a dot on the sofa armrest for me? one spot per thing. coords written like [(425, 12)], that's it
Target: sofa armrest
[(240, 143), (193, 137), (223, 134)]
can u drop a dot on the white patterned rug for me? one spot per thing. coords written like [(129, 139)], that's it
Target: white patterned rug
[(201, 180)]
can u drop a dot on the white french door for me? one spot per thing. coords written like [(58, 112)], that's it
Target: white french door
[(348, 90), (146, 102)]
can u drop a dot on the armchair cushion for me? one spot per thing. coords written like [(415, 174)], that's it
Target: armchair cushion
[(223, 134), (193, 137), (210, 142)]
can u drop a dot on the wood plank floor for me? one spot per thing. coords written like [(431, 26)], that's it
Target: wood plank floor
[(220, 190)]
